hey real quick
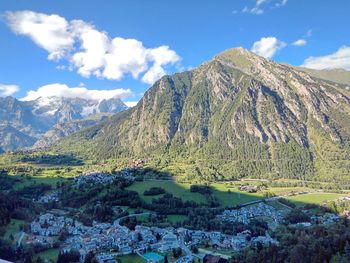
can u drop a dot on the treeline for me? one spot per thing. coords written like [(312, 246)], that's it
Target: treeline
[(52, 159), (12, 206), (154, 191), (319, 243), (208, 194)]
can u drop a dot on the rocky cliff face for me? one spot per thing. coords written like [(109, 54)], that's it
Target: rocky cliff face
[(257, 114), (24, 122), (61, 130)]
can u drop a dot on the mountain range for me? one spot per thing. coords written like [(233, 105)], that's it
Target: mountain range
[(236, 115), (23, 123)]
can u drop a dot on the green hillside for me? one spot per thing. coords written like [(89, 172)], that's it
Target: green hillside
[(238, 115)]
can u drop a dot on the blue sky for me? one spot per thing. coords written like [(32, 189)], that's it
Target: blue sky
[(169, 36)]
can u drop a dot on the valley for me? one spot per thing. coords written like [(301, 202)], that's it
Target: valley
[(222, 218)]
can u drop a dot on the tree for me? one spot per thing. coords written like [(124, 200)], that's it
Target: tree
[(90, 258), (177, 252), (63, 235), (68, 257), (347, 250)]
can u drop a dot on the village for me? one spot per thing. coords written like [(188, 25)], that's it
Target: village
[(245, 214), (111, 240), (102, 238)]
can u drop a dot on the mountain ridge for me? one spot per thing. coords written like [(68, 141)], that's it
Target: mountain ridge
[(260, 116), (28, 121)]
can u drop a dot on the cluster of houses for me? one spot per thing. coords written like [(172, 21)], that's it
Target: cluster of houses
[(245, 214), (49, 197), (110, 240), (326, 219), (249, 188), (93, 177)]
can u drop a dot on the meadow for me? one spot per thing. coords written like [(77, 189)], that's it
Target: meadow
[(313, 198)]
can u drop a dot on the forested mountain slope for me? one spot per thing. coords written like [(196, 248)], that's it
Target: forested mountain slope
[(236, 115)]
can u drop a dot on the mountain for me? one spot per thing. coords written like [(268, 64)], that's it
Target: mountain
[(12, 138), (61, 109), (22, 123), (236, 115), (336, 75), (64, 129)]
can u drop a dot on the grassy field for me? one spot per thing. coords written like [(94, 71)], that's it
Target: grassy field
[(131, 259), (176, 189), (313, 198), (288, 190), (51, 255), (13, 228), (27, 181), (230, 195)]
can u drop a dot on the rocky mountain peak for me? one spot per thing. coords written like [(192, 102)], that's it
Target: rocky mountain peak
[(238, 105), (22, 123)]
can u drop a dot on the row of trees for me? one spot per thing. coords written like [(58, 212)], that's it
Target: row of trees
[(319, 243)]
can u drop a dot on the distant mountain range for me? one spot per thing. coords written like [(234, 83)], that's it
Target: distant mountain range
[(23, 123), (336, 75), (237, 114)]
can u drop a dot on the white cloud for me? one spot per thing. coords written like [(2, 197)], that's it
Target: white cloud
[(130, 103), (254, 10), (62, 90), (282, 3), (267, 46), (258, 8), (90, 51), (50, 32), (299, 42), (8, 90), (338, 59)]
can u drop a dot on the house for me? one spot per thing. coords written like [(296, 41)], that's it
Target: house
[(169, 241), (125, 249), (106, 258)]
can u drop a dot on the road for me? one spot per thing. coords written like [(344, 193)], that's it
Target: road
[(19, 241), (188, 253)]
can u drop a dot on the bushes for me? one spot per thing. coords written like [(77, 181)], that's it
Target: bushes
[(202, 189), (286, 202), (33, 191), (296, 216), (154, 191)]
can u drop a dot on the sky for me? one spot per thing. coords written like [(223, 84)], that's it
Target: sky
[(113, 48)]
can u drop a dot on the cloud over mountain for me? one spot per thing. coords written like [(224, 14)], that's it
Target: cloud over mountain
[(267, 46), (8, 90), (338, 59), (62, 90), (91, 51)]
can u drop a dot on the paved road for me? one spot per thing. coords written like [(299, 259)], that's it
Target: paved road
[(188, 253), (19, 241)]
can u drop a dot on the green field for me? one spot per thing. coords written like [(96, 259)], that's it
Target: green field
[(27, 181), (313, 198), (288, 190), (176, 189), (13, 228), (230, 195), (131, 259), (50, 255)]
